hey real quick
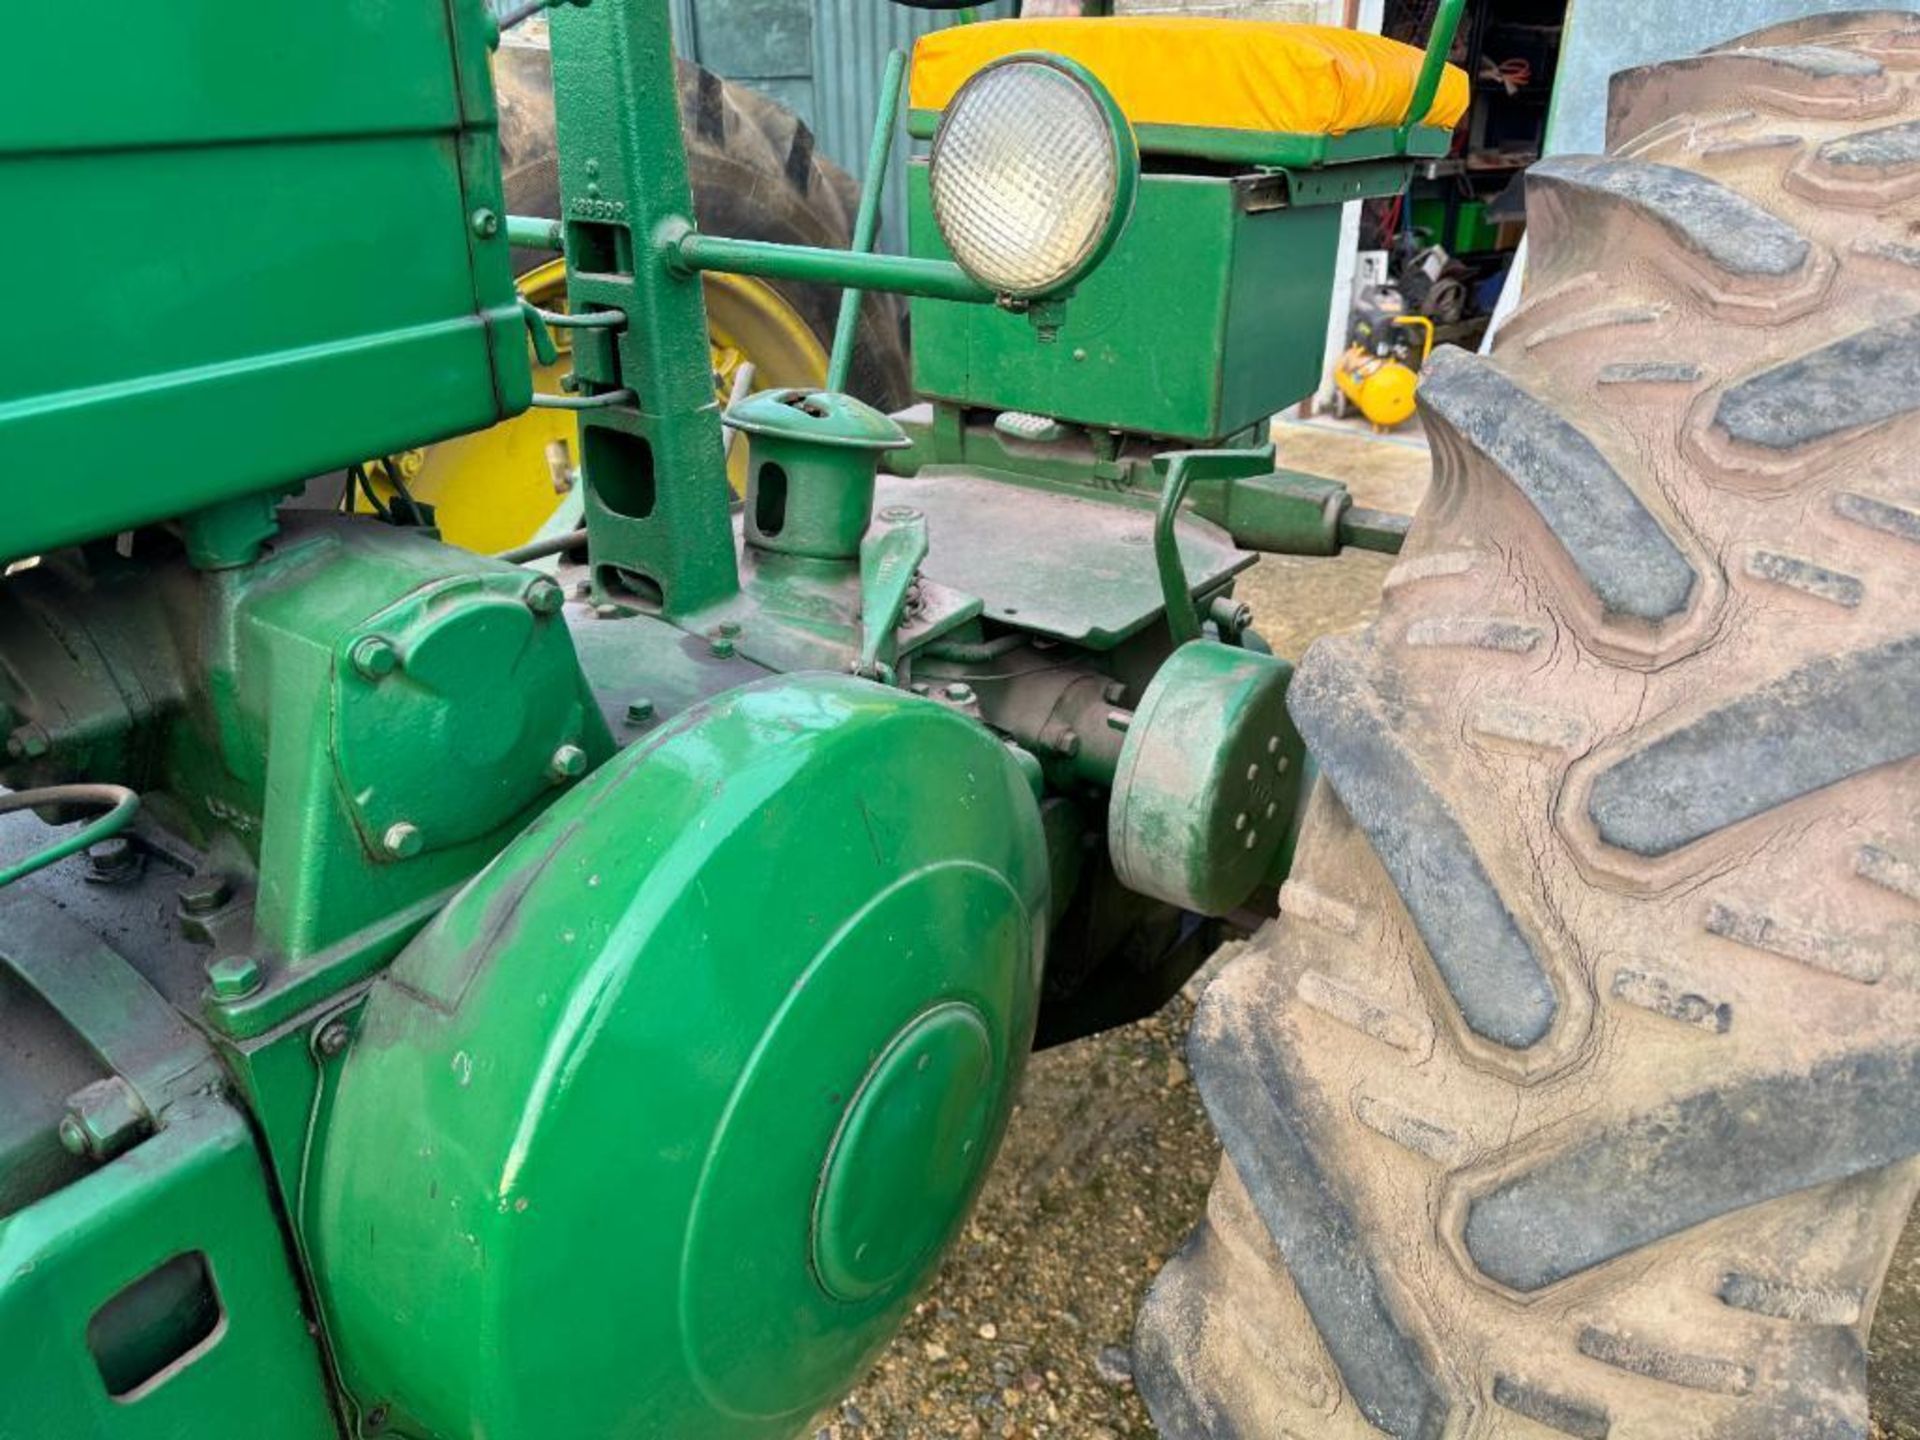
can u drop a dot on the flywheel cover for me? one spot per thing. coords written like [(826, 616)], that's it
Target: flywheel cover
[(675, 1106)]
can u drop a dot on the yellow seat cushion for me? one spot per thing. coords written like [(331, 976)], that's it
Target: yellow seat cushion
[(1207, 73)]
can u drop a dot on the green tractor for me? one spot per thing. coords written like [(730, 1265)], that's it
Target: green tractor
[(462, 998)]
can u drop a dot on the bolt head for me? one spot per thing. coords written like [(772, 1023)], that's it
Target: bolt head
[(333, 1038), (1067, 743), (1115, 692), (205, 894), (485, 223), (402, 840), (959, 692), (73, 1138), (722, 647), (234, 977), (29, 742), (103, 1119), (112, 861), (569, 762), (639, 712), (374, 657), (545, 597)]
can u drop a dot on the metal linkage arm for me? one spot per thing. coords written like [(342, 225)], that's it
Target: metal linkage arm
[(867, 224), (535, 232), (900, 274)]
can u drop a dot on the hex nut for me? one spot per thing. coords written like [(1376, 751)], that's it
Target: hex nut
[(373, 657), (205, 894), (234, 977), (29, 742), (569, 762), (545, 597), (103, 1119), (113, 861)]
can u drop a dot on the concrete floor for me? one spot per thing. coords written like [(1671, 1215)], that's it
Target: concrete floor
[(1108, 1160)]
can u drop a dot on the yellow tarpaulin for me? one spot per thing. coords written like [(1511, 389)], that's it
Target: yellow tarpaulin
[(1207, 73)]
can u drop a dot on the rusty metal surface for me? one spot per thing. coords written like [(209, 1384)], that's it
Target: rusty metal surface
[(1082, 569)]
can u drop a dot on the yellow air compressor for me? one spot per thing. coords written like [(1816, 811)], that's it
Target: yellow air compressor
[(1379, 372)]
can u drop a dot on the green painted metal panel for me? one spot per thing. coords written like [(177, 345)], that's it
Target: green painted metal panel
[(196, 1188), (1190, 328), (253, 255)]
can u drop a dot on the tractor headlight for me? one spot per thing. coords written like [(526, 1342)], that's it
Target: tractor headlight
[(1033, 174)]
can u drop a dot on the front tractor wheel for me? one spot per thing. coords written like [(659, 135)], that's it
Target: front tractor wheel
[(1574, 1090)]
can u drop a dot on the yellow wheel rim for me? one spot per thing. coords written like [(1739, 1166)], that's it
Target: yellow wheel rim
[(748, 322), (494, 489)]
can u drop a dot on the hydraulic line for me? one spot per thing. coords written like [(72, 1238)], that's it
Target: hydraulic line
[(119, 801)]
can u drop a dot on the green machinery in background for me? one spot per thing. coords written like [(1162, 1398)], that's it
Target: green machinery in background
[(488, 1005)]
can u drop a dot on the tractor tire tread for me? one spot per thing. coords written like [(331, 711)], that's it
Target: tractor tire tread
[(756, 173), (1570, 1093)]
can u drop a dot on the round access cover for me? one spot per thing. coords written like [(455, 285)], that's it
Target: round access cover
[(1208, 780)]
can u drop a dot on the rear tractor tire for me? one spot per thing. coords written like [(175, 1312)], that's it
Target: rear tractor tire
[(756, 175), (1576, 1089)]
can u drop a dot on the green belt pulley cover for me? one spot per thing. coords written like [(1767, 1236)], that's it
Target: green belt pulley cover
[(656, 1130), (1208, 780)]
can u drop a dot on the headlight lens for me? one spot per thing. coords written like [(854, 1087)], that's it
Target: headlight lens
[(1031, 175)]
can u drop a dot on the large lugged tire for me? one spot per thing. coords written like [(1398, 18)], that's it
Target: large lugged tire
[(1576, 1089), (755, 175)]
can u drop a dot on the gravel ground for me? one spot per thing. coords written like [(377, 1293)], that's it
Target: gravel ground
[(1107, 1161), (1105, 1168)]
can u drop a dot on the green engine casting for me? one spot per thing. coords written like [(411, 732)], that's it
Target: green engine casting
[(581, 999)]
